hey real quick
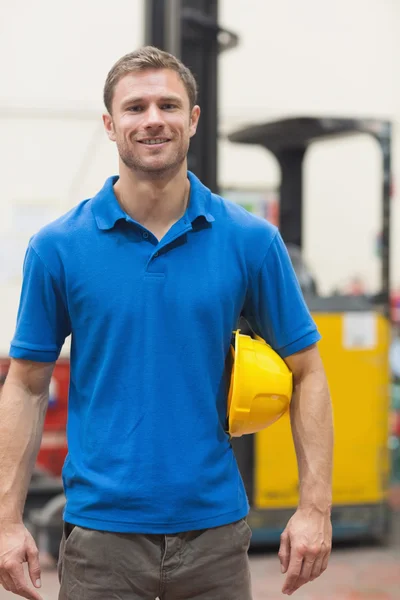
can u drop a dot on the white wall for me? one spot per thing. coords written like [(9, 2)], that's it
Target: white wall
[(314, 58), (53, 151), (294, 58)]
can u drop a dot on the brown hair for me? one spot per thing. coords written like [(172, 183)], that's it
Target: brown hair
[(143, 59)]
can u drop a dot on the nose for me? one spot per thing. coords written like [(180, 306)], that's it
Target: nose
[(153, 117)]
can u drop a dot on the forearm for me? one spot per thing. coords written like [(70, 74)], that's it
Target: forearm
[(22, 415), (312, 429)]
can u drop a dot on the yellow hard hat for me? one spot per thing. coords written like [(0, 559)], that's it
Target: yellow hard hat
[(261, 386)]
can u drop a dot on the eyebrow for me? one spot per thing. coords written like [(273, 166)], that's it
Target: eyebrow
[(166, 99)]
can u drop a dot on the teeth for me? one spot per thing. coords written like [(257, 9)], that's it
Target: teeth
[(157, 141)]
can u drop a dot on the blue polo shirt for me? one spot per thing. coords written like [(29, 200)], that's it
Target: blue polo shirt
[(151, 324)]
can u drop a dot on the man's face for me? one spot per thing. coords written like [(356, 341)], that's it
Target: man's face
[(151, 121)]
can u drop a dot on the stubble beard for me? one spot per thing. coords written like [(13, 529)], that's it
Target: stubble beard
[(134, 163)]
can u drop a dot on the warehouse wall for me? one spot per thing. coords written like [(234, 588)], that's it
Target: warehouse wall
[(53, 150), (293, 59)]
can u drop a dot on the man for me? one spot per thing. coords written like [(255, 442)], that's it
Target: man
[(150, 276)]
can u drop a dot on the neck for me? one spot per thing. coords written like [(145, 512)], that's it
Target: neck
[(154, 202)]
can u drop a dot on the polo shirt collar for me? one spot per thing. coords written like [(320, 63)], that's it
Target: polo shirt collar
[(105, 206), (107, 210), (199, 200)]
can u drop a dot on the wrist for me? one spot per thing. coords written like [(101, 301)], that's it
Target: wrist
[(320, 501), (9, 520), (10, 515), (313, 509)]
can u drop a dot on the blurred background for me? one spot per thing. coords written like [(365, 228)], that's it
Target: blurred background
[(301, 125)]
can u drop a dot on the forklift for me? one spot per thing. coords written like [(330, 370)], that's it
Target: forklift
[(357, 369)]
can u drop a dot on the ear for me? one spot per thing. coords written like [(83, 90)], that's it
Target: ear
[(109, 126), (194, 120)]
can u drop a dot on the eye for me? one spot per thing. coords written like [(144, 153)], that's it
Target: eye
[(136, 108), (168, 106)]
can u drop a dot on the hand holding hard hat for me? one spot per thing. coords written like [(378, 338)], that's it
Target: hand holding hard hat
[(261, 386)]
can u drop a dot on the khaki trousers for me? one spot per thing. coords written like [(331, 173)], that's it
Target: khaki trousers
[(210, 564)]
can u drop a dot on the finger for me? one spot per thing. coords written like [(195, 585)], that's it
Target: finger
[(6, 582), (305, 573), (20, 585), (284, 552), (33, 565), (317, 567), (293, 572), (306, 570), (325, 561)]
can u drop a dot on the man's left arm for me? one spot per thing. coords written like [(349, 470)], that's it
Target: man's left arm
[(276, 310), (306, 542)]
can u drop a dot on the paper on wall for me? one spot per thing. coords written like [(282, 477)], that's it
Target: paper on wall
[(12, 254), (359, 330)]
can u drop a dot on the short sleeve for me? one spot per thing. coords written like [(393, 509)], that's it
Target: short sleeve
[(42, 320), (275, 307)]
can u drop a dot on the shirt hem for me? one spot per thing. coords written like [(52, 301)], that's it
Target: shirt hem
[(310, 338), (156, 528), (31, 354)]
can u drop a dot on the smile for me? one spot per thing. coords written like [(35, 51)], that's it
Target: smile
[(154, 142)]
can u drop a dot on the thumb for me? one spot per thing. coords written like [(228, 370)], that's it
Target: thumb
[(284, 551), (33, 564)]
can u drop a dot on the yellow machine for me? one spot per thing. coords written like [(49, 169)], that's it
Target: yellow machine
[(355, 351)]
